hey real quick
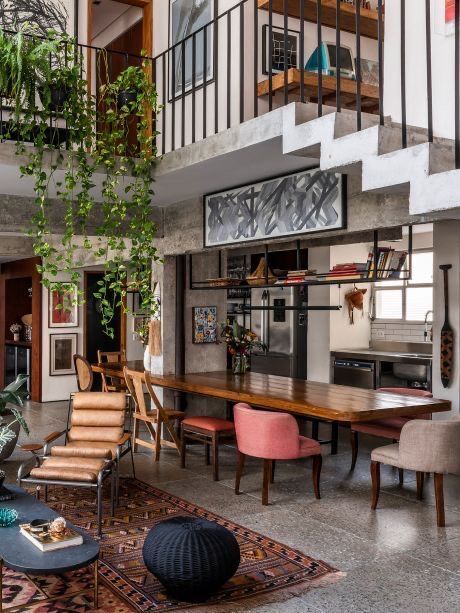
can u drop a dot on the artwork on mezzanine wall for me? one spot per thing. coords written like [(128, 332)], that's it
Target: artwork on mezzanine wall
[(304, 202), (185, 18), (62, 349), (45, 15)]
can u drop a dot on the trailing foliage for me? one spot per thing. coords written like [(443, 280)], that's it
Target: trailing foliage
[(113, 133)]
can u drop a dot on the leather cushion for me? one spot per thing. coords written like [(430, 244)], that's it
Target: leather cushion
[(70, 451), (69, 469), (96, 401), (92, 445), (83, 433), (98, 418), (213, 424)]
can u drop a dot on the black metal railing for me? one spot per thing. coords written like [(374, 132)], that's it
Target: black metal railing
[(259, 55)]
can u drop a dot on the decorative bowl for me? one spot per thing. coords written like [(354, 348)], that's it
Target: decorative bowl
[(7, 517)]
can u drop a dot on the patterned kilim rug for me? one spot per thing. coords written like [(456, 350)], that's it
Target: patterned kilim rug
[(269, 571)]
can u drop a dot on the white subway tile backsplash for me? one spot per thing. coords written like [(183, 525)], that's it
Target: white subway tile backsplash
[(397, 331)]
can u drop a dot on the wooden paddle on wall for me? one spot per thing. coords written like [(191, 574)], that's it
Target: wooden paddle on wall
[(447, 334)]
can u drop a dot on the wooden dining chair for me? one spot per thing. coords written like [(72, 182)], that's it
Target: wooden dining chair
[(112, 384), (84, 373), (155, 418)]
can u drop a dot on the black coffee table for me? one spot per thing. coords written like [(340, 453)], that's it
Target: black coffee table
[(18, 553)]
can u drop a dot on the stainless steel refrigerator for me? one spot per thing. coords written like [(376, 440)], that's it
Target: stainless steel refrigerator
[(277, 320)]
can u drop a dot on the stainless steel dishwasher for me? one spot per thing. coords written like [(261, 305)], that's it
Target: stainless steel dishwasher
[(355, 373)]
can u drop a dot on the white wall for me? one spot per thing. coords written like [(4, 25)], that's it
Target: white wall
[(442, 66), (344, 335), (446, 239)]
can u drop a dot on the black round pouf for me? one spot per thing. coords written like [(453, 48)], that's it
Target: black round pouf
[(191, 557)]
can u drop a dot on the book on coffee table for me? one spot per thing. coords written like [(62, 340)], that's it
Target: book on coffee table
[(50, 542)]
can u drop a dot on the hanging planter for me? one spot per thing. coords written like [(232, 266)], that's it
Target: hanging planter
[(96, 138)]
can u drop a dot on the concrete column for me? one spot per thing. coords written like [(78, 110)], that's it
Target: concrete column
[(318, 344), (446, 244)]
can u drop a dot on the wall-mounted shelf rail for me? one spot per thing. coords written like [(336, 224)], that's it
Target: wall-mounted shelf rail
[(368, 17), (376, 277)]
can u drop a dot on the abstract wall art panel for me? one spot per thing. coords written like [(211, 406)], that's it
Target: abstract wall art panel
[(304, 202), (204, 328), (45, 15)]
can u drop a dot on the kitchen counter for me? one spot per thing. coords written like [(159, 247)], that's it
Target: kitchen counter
[(382, 356)]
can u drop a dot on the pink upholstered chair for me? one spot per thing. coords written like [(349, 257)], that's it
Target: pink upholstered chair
[(272, 436), (386, 428)]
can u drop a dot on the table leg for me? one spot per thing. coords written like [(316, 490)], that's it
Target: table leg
[(96, 585), (1, 585)]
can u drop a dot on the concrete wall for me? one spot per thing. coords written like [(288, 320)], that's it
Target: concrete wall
[(446, 239)]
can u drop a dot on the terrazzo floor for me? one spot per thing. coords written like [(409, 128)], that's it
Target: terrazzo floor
[(395, 559)]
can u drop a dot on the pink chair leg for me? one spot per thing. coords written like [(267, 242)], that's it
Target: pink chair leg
[(375, 474), (239, 471), (266, 481)]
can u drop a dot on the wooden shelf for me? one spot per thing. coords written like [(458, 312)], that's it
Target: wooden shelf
[(369, 93), (369, 17), (202, 285)]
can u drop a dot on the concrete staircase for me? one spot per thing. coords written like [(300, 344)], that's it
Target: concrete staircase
[(423, 171)]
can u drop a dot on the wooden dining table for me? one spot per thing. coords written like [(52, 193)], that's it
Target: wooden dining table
[(310, 399)]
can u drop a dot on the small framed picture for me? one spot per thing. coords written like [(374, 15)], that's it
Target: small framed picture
[(204, 325), (280, 50), (62, 349), (63, 306)]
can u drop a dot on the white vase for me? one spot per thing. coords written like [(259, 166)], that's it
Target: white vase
[(16, 337)]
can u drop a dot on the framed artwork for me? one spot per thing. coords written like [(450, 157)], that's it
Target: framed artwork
[(63, 306), (280, 51), (185, 18), (445, 17), (204, 328), (46, 15), (62, 349), (305, 202)]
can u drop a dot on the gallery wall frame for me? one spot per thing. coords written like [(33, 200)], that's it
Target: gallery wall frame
[(62, 349), (66, 317), (295, 54), (211, 8), (204, 325), (229, 219)]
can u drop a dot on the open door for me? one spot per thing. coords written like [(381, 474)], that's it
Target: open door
[(95, 338)]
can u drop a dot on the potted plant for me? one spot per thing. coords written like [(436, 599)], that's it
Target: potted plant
[(240, 342), (11, 419), (15, 330)]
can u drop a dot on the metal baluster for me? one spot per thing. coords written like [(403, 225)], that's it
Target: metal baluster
[(256, 58), (286, 68), (338, 64), (216, 74), (403, 76), (381, 60), (173, 100), (319, 32), (270, 55), (241, 62), (229, 67), (302, 49), (193, 86), (165, 102), (456, 79), (358, 64), (183, 94), (205, 74), (429, 80)]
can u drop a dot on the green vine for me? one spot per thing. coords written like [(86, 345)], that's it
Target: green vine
[(117, 138)]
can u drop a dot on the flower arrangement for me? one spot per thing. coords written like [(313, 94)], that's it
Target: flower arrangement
[(15, 328), (240, 342)]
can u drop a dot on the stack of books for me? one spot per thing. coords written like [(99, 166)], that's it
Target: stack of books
[(45, 541), (297, 276), (390, 263), (354, 270)]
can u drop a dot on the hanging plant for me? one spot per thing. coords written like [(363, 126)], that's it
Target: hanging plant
[(125, 235)]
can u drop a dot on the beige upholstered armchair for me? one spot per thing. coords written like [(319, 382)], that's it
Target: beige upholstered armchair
[(425, 447)]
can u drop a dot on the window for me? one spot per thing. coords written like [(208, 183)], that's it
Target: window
[(407, 300)]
